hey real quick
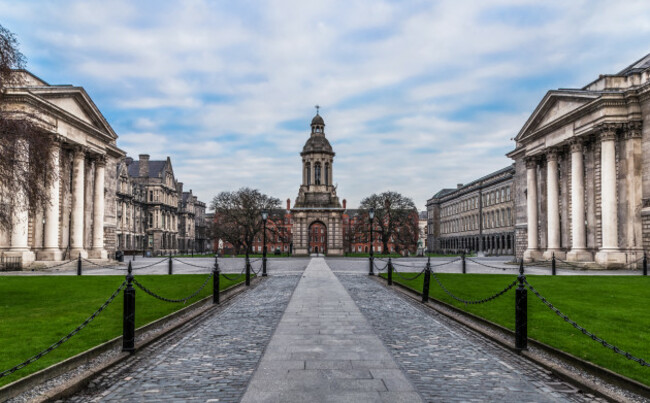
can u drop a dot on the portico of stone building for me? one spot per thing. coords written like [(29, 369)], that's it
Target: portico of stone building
[(583, 196), (73, 223), (79, 220)]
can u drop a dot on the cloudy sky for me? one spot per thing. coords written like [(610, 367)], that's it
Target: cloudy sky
[(416, 95)]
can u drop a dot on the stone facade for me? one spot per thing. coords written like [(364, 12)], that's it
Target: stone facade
[(478, 216), (81, 219), (583, 172), (317, 213), (155, 215)]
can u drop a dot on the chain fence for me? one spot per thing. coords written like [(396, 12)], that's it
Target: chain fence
[(66, 337), (377, 267), (61, 264), (408, 279), (193, 265), (194, 294), (489, 266), (235, 278), (476, 301), (585, 331)]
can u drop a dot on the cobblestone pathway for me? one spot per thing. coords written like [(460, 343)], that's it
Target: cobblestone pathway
[(447, 362), (212, 362), (324, 350)]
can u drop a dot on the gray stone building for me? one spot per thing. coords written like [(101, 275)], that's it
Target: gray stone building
[(81, 218), (187, 220), (154, 214), (156, 183), (317, 213), (478, 216), (582, 163)]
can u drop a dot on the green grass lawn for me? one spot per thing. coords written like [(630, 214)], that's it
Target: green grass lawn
[(615, 308), (38, 311)]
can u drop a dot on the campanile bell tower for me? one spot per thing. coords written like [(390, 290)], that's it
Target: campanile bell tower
[(317, 211)]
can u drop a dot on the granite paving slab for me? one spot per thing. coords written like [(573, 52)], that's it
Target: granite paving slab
[(324, 350)]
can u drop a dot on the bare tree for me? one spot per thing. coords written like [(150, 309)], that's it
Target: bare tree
[(396, 220), (238, 216), (25, 148)]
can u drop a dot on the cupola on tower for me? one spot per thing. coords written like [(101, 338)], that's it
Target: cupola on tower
[(317, 211)]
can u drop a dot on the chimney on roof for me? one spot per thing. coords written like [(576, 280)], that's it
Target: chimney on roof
[(144, 165), (288, 204), (128, 161), (345, 203), (458, 186)]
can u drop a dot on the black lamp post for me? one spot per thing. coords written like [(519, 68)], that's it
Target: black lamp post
[(371, 216), (265, 216)]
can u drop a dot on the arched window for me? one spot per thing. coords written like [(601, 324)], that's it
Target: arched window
[(327, 173), (317, 173), (308, 167)]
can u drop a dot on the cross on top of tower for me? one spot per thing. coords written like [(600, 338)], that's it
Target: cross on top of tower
[(317, 108)]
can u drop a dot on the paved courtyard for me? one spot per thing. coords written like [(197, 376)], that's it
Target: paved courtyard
[(326, 336)]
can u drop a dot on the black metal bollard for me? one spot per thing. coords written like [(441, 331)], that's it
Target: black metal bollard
[(128, 329), (79, 265), (192, 252), (215, 281), (371, 259), (170, 269), (521, 312), (425, 284), (645, 264), (553, 264), (463, 260), (133, 257), (248, 271), (390, 271)]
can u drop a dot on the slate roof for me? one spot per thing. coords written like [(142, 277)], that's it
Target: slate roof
[(636, 67), (155, 168)]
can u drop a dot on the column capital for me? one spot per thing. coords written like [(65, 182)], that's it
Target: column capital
[(78, 151), (531, 162), (100, 160), (633, 130), (576, 144), (551, 154), (607, 131)]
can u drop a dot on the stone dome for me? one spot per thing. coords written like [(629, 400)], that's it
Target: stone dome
[(317, 120), (317, 144)]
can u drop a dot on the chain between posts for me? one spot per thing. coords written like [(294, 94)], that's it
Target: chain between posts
[(66, 337), (194, 294), (585, 331), (241, 273), (192, 265), (476, 301)]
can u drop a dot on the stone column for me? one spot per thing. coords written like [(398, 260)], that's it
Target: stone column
[(633, 184), (98, 251), (553, 207), (532, 251), (20, 214), (51, 250), (609, 255), (78, 169), (578, 251)]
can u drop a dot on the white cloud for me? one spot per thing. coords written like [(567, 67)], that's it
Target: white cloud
[(416, 95)]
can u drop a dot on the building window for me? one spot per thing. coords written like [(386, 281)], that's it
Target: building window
[(308, 174), (317, 169), (327, 174)]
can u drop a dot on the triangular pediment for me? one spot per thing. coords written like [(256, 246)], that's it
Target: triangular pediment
[(76, 102), (554, 106)]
